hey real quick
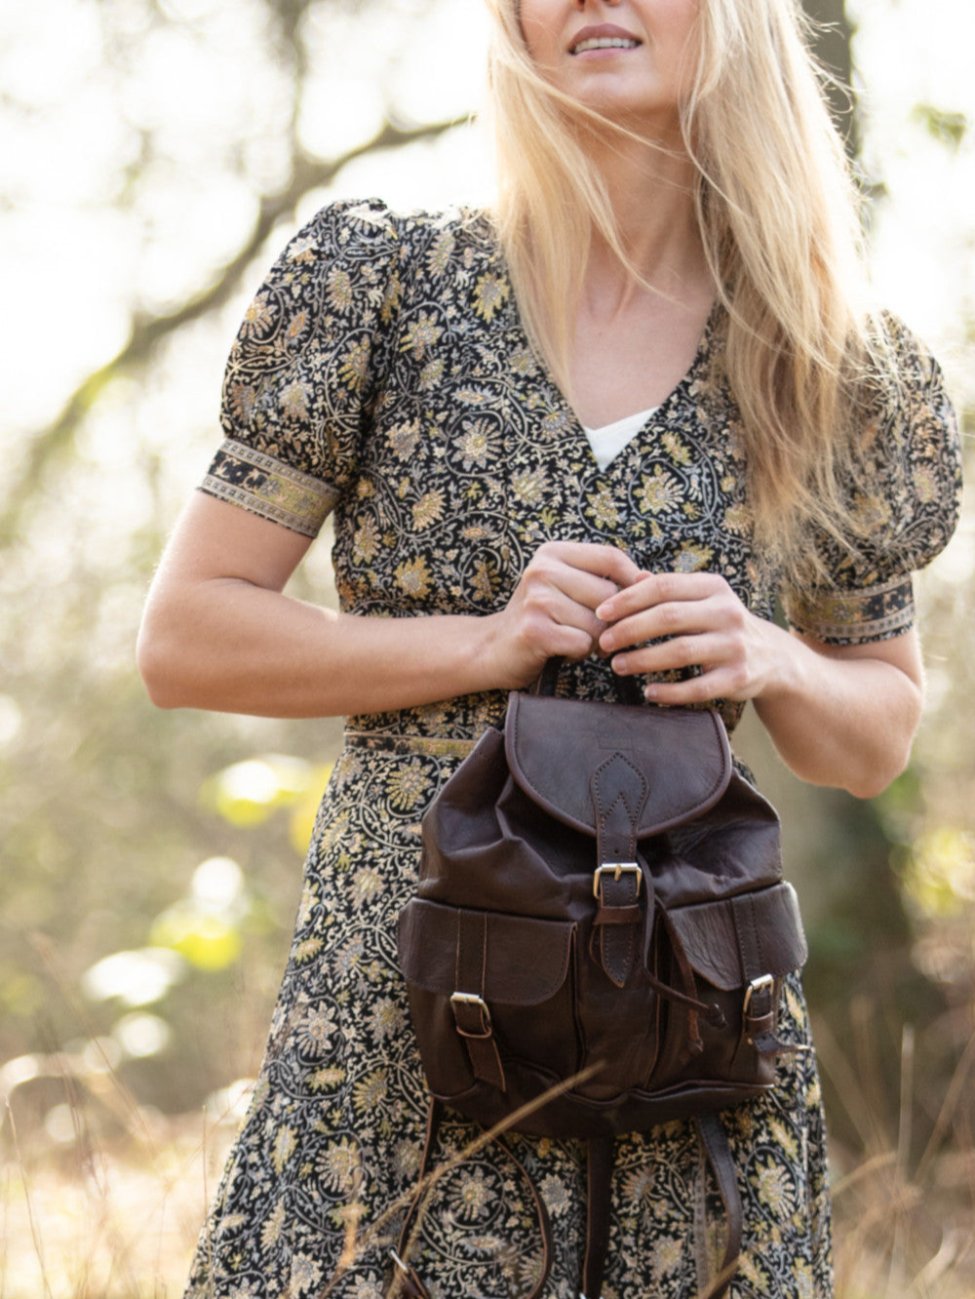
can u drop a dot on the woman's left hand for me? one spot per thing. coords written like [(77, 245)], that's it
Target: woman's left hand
[(705, 625)]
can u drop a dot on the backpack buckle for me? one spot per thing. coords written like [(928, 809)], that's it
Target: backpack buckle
[(462, 999), (616, 868), (763, 984)]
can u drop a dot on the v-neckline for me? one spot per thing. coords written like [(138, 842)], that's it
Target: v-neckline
[(654, 415), (576, 428)]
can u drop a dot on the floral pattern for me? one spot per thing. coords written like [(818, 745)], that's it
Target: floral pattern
[(383, 374)]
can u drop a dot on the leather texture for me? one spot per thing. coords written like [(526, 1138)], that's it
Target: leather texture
[(681, 775), (601, 927)]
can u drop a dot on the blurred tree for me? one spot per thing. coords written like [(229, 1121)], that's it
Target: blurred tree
[(103, 827)]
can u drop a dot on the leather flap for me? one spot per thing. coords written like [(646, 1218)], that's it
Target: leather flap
[(738, 939), (677, 758), (524, 960)]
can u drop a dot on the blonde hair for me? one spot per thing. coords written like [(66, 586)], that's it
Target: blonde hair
[(777, 212)]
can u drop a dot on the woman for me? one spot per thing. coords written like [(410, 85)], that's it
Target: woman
[(611, 421)]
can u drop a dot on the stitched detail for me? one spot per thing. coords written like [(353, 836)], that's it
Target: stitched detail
[(743, 962), (755, 935)]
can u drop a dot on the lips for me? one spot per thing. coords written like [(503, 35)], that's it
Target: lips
[(604, 36)]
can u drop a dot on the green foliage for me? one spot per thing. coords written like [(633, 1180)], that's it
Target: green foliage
[(247, 793), (950, 128), (938, 870)]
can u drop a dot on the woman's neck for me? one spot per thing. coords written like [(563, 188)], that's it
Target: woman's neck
[(652, 191)]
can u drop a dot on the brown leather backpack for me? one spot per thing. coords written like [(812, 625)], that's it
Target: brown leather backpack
[(599, 934)]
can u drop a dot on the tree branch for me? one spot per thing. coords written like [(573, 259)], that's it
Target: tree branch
[(147, 331)]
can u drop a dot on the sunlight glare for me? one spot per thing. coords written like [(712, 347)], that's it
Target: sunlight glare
[(137, 978), (141, 1035)]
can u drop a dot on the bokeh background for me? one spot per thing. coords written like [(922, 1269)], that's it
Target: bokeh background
[(154, 155)]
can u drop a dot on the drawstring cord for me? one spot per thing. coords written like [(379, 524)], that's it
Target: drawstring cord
[(711, 1012)]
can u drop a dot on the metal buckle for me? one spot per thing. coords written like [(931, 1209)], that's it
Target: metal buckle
[(472, 999), (763, 982), (617, 868)]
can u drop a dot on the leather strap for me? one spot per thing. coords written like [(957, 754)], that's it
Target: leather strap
[(759, 1011), (749, 936), (406, 1282), (759, 1017), (600, 1157), (601, 1153), (618, 923), (618, 915), (628, 689), (619, 794), (714, 1143), (541, 1213), (472, 1017)]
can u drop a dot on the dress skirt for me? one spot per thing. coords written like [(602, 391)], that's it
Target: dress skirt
[(313, 1193)]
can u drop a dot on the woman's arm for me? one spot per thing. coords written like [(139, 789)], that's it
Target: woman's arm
[(218, 633), (846, 714), (842, 716)]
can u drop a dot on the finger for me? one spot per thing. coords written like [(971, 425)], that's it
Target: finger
[(707, 651), (549, 570), (604, 561), (558, 642), (566, 642), (652, 589), (548, 607), (688, 617), (702, 689), (586, 589)]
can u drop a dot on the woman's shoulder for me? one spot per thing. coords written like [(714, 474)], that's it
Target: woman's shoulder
[(908, 356), (907, 473), (910, 410), (363, 224)]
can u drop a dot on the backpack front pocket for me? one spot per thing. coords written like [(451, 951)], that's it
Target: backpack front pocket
[(486, 991), (739, 950)]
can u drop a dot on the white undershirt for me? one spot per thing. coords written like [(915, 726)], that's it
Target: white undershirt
[(607, 442)]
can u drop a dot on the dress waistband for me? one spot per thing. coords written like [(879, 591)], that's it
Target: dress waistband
[(433, 746)]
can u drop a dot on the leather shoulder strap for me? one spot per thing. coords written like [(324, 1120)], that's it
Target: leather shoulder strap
[(714, 1142)]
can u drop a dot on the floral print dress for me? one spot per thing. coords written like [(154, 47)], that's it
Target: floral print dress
[(382, 373)]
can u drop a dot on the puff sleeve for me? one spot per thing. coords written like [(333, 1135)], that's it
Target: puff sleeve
[(306, 367), (905, 499)]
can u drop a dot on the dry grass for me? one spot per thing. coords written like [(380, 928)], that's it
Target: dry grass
[(905, 1211), (119, 1222), (116, 1216)]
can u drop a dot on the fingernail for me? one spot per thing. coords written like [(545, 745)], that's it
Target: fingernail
[(602, 611), (650, 692), (619, 664)]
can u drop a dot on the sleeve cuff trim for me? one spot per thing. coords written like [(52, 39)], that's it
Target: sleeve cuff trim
[(850, 617), (266, 486)]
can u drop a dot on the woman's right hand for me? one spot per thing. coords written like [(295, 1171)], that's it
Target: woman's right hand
[(219, 632), (552, 610)]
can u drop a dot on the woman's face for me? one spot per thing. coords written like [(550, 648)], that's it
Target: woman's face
[(628, 59)]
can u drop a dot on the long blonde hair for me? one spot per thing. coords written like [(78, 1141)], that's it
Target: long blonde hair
[(778, 217)]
